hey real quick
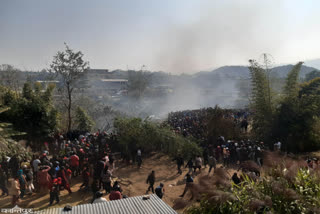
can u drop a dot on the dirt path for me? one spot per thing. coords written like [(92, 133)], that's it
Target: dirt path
[(132, 180)]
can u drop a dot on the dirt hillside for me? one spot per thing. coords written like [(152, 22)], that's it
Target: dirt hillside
[(132, 180)]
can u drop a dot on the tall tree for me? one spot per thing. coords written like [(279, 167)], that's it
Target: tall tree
[(32, 113), (261, 100), (70, 66), (138, 81), (10, 76), (291, 88), (83, 120)]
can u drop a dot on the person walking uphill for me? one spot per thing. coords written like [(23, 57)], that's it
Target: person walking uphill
[(150, 180)]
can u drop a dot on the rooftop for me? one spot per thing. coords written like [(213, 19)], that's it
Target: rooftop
[(131, 205), (114, 80)]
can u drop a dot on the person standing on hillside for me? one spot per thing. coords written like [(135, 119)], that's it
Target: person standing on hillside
[(198, 163), (139, 158), (15, 190), (189, 184), (74, 164), (150, 180), (180, 163), (55, 191), (189, 165), (160, 190), (106, 179), (212, 163), (3, 180)]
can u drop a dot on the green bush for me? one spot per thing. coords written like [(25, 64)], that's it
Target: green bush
[(134, 133)]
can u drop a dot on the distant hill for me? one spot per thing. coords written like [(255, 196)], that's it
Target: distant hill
[(242, 72)]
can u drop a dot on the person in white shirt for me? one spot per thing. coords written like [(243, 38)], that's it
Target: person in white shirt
[(35, 164), (99, 198)]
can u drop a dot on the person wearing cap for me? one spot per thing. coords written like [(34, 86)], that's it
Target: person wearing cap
[(160, 190), (99, 198)]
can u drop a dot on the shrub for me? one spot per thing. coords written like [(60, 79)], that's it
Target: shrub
[(287, 187), (134, 133)]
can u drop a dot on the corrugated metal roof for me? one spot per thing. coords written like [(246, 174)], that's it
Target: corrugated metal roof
[(133, 205), (114, 80)]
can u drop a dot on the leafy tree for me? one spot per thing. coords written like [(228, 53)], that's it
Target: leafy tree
[(293, 119), (134, 133), (27, 92), (33, 114), (70, 66), (138, 81), (83, 120), (291, 88), (262, 102)]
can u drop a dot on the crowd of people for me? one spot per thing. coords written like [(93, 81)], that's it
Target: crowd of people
[(90, 156), (87, 155), (193, 122)]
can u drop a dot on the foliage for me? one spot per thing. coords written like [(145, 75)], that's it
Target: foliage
[(262, 101), (287, 187), (83, 120), (138, 81), (70, 66), (134, 133), (294, 118), (9, 77), (32, 113), (218, 125)]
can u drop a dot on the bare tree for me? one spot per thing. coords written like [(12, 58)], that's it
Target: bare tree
[(10, 77), (138, 81), (70, 66)]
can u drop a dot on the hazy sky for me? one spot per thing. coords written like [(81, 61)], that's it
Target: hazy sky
[(169, 35)]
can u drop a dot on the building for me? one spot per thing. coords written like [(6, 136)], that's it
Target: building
[(132, 205)]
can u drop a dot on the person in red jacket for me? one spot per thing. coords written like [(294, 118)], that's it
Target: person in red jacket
[(85, 177), (74, 164), (64, 181), (115, 195)]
